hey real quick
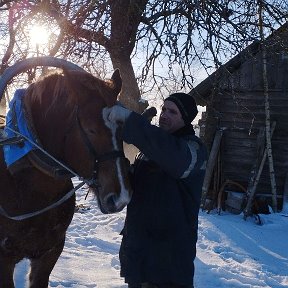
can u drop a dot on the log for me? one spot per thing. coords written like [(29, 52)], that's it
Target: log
[(210, 165)]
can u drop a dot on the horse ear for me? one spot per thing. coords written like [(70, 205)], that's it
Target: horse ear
[(115, 85), (117, 81)]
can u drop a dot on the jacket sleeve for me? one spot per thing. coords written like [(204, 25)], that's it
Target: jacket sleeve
[(176, 156)]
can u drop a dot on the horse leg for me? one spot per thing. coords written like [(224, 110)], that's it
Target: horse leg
[(42, 267), (6, 273)]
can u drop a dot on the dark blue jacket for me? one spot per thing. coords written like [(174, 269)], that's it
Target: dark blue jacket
[(160, 232)]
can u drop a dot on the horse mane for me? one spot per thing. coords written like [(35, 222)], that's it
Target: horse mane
[(60, 84), (52, 82)]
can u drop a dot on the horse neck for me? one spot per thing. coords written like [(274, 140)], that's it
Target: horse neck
[(51, 118)]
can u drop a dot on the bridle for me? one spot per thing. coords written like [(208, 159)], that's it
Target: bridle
[(96, 157)]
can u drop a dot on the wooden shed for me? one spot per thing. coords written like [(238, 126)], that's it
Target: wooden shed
[(235, 114)]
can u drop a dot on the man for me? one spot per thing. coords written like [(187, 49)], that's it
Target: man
[(160, 232)]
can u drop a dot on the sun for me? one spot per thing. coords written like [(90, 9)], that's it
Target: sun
[(39, 35)]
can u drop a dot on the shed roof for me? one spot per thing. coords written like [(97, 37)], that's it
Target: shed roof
[(202, 91)]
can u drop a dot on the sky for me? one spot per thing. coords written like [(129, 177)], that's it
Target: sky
[(231, 252)]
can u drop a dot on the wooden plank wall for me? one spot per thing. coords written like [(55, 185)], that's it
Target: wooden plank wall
[(242, 114)]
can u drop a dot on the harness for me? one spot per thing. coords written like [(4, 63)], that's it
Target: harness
[(48, 164), (97, 158)]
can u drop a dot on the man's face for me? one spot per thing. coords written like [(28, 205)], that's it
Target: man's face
[(170, 118)]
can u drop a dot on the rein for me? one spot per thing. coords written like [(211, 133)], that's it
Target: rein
[(32, 214), (92, 182)]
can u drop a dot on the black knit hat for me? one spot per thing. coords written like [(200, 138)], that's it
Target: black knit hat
[(186, 105)]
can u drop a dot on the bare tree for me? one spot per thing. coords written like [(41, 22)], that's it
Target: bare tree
[(152, 33), (267, 111)]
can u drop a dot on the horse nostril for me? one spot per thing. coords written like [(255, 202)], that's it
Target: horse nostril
[(110, 202)]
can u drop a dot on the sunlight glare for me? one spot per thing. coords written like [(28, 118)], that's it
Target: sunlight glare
[(39, 35)]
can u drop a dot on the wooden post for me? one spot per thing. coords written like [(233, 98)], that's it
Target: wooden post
[(260, 146), (210, 165)]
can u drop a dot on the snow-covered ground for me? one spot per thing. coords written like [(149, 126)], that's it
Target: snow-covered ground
[(232, 253)]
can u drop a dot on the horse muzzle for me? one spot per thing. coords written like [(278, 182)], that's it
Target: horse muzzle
[(113, 203)]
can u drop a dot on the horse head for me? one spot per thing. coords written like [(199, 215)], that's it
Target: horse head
[(97, 141), (68, 111)]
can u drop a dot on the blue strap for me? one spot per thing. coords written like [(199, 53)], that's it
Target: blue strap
[(16, 120)]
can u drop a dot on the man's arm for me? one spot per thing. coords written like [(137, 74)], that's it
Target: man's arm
[(176, 156)]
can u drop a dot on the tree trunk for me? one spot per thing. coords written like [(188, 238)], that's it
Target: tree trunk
[(125, 20), (254, 180), (268, 133), (130, 94), (267, 111)]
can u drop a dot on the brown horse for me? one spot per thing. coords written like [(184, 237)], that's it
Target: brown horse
[(67, 111)]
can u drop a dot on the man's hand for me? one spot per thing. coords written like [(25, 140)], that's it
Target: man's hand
[(149, 113), (118, 113)]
